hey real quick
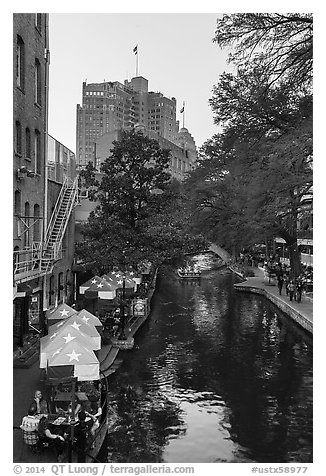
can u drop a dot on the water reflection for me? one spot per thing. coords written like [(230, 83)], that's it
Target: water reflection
[(216, 376)]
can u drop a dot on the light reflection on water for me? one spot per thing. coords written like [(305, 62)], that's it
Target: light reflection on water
[(215, 377)]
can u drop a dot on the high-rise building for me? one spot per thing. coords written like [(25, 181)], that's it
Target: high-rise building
[(105, 107), (110, 106)]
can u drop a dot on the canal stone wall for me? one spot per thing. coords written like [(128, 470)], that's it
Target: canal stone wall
[(301, 318)]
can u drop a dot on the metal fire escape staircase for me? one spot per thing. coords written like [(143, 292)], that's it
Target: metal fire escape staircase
[(52, 247)]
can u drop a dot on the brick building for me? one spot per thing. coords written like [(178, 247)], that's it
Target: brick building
[(30, 51), (44, 187)]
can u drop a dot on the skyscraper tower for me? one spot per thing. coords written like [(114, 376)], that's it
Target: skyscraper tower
[(111, 106), (106, 107)]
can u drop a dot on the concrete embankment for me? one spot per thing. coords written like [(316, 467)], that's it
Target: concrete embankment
[(300, 312)]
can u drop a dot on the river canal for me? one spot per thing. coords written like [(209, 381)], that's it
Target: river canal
[(215, 376)]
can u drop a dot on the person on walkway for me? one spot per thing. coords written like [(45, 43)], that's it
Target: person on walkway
[(81, 432), (280, 281), (29, 426), (285, 283), (291, 288), (46, 437), (299, 288), (95, 413), (42, 407)]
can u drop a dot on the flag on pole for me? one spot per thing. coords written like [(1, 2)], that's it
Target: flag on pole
[(135, 50), (182, 110)]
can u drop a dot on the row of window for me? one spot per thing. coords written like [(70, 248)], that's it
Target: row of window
[(96, 93), (64, 287), (28, 146), (31, 223), (21, 71)]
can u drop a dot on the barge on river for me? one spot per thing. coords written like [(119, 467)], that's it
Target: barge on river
[(188, 273)]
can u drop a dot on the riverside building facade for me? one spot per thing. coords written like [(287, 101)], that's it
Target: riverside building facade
[(44, 188)]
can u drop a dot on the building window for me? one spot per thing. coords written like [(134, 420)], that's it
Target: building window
[(18, 138), (37, 151), (68, 283), (20, 63), (37, 82), (36, 225), (26, 231), (60, 287), (38, 21), (17, 205), (27, 143), (51, 291), (16, 257)]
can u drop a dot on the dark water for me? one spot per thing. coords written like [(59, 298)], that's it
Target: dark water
[(216, 376)]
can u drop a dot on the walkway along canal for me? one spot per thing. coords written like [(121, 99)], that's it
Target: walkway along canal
[(215, 376)]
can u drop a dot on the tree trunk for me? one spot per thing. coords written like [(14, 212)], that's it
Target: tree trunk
[(295, 259), (267, 253)]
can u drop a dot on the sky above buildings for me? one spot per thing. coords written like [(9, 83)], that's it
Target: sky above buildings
[(175, 53)]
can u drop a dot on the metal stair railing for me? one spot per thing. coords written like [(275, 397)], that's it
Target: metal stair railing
[(55, 212), (58, 223)]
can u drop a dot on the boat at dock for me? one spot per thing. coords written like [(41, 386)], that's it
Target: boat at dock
[(189, 273)]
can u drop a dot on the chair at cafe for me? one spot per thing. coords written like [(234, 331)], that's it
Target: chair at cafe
[(31, 440)]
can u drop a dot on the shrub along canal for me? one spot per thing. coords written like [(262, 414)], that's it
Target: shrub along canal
[(215, 376)]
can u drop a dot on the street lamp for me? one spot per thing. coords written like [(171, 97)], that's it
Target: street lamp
[(122, 309)]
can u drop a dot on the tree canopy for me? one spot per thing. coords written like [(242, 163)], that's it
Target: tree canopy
[(253, 175), (282, 44), (137, 215)]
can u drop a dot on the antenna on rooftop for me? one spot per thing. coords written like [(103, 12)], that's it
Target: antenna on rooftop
[(182, 111), (135, 50)]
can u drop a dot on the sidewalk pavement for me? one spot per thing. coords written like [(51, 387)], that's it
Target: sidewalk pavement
[(301, 312)]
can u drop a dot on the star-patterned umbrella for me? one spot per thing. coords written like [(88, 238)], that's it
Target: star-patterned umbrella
[(88, 284), (145, 267), (100, 289), (62, 336), (76, 322), (116, 278), (89, 318), (135, 275), (63, 311), (73, 359)]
